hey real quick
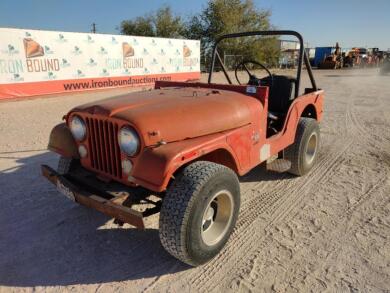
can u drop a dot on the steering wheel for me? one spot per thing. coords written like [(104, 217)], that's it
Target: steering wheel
[(253, 80)]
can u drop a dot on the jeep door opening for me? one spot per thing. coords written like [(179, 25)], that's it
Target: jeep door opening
[(178, 150)]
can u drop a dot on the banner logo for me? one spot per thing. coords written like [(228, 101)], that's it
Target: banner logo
[(186, 51), (32, 48), (129, 59), (128, 51), (187, 59)]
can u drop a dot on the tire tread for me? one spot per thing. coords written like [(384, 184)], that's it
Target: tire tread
[(177, 206), (293, 152)]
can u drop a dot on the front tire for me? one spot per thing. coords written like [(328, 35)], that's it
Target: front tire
[(303, 152), (199, 212)]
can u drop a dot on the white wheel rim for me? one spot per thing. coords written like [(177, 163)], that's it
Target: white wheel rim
[(311, 148), (217, 217)]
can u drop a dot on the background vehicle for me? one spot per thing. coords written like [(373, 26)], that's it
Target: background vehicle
[(330, 59), (180, 148), (385, 66)]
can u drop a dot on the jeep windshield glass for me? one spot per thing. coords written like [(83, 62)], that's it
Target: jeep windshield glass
[(244, 58)]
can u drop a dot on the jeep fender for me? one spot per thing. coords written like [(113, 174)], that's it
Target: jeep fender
[(309, 105), (156, 166), (62, 142)]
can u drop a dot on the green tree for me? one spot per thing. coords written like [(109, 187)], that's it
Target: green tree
[(167, 25), (162, 23), (221, 17), (141, 26)]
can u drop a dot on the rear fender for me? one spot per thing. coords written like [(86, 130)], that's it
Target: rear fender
[(308, 103), (62, 142)]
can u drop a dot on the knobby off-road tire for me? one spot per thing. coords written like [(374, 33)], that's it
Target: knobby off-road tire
[(199, 212), (66, 165), (303, 152)]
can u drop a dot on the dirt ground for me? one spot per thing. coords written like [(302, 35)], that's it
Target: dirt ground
[(328, 231)]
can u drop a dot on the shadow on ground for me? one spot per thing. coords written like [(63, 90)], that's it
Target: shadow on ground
[(260, 173), (47, 240)]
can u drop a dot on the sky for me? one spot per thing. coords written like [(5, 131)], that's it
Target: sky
[(322, 23)]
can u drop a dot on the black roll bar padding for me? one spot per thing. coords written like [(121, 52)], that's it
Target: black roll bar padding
[(302, 53), (310, 72)]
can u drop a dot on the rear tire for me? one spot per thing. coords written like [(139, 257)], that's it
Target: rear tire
[(199, 212), (303, 152)]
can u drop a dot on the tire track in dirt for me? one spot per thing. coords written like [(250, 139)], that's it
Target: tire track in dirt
[(362, 198), (375, 142), (297, 256), (340, 232), (369, 136)]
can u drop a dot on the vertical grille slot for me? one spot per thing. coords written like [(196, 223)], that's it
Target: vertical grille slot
[(103, 146), (107, 147), (117, 151)]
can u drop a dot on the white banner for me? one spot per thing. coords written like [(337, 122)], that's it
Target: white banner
[(80, 61)]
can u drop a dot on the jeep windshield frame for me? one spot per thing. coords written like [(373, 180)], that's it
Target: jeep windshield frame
[(302, 57)]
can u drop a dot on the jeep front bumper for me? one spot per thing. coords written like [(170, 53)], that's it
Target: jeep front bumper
[(90, 195)]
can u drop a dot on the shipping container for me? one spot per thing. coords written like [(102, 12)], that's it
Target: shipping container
[(321, 53)]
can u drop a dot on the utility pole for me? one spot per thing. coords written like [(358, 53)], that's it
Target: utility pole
[(93, 30)]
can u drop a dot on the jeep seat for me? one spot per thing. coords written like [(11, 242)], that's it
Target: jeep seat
[(281, 94)]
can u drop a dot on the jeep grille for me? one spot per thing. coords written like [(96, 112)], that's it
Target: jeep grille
[(103, 146)]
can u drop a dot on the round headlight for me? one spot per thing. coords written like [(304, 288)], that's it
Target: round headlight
[(128, 141), (83, 151), (78, 129)]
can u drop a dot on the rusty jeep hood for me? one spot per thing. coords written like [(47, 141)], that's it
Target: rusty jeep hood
[(173, 114)]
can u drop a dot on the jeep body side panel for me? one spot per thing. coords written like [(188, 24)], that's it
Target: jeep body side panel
[(286, 136)]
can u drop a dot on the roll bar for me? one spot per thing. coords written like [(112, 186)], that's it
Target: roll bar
[(301, 58)]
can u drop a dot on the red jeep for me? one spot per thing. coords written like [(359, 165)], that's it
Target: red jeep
[(180, 148)]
